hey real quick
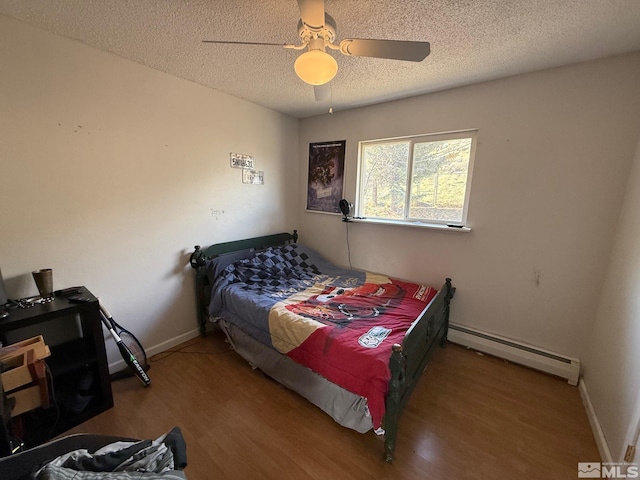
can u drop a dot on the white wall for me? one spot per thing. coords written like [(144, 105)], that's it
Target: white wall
[(611, 366), (109, 172), (554, 152)]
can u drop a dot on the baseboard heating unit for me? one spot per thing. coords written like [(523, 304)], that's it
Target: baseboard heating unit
[(516, 352)]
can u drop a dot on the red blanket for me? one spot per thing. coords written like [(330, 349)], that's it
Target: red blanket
[(346, 334)]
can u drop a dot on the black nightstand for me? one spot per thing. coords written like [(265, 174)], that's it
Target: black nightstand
[(78, 363)]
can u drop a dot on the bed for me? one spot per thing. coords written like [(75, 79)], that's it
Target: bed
[(353, 343)]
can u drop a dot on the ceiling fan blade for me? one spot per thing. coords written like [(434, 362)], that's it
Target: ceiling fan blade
[(312, 13), (392, 49), (244, 43), (322, 92)]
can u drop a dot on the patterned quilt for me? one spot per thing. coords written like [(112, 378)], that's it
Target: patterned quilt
[(339, 323)]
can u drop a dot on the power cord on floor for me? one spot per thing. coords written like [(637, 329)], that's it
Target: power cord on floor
[(162, 355), (348, 246)]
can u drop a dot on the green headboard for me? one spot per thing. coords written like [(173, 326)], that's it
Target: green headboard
[(199, 256)]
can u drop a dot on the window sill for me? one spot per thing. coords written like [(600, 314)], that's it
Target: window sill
[(432, 226)]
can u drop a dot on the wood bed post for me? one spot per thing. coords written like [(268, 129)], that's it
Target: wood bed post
[(447, 302), (392, 413), (196, 260)]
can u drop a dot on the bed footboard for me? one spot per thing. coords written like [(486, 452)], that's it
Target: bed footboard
[(409, 360)]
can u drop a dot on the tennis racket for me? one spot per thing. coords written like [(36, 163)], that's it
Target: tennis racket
[(130, 348)]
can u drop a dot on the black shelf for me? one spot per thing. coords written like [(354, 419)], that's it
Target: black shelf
[(71, 356), (78, 374)]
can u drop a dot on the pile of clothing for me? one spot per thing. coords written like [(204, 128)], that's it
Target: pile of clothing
[(163, 458)]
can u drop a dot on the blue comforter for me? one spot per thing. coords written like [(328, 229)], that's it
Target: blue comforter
[(247, 289)]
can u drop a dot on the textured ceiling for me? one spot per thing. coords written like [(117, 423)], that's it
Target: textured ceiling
[(471, 41)]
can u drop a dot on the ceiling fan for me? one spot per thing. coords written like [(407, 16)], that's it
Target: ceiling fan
[(317, 31)]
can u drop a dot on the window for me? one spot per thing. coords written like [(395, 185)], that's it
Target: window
[(423, 179)]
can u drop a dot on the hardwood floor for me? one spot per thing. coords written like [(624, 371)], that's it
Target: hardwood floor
[(471, 417)]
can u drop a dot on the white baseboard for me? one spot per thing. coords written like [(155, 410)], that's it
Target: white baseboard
[(161, 347), (598, 434)]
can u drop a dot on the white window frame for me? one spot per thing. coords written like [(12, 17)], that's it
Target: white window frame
[(412, 140)]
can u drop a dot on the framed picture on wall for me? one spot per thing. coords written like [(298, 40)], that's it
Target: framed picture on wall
[(325, 183)]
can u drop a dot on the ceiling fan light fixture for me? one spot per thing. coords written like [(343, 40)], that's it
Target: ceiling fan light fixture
[(316, 67)]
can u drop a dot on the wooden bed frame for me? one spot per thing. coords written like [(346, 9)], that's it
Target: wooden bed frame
[(407, 361)]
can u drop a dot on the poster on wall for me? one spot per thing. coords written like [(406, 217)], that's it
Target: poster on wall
[(326, 176)]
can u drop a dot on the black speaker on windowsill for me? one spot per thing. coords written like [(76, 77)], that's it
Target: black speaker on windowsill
[(345, 208)]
